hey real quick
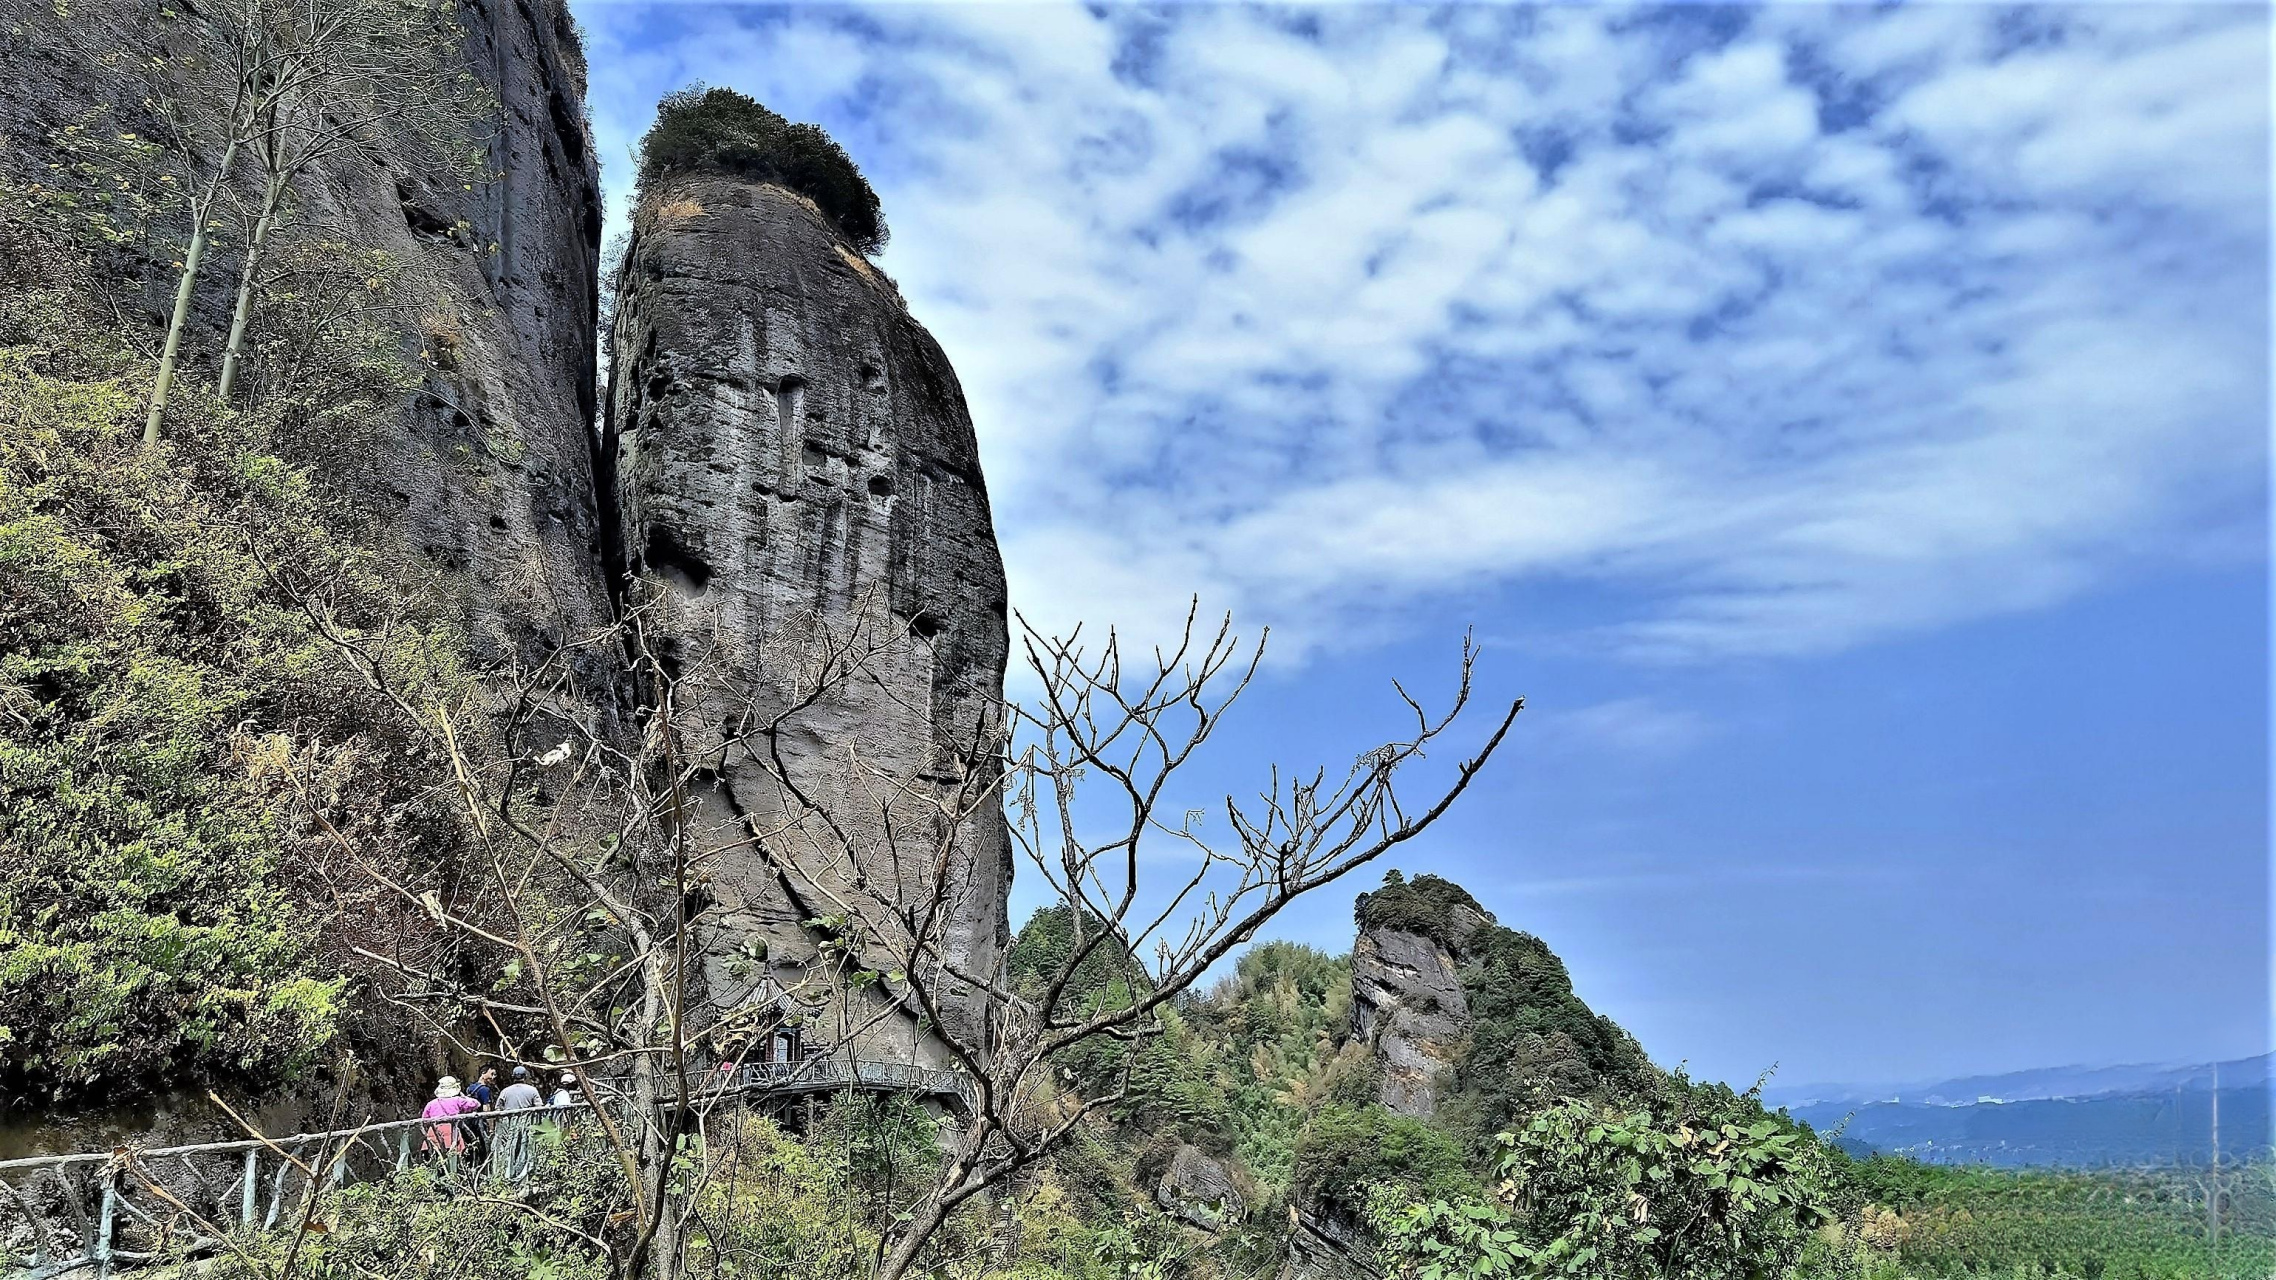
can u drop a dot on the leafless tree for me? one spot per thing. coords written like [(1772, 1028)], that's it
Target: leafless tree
[(368, 77), (580, 941), (1089, 776)]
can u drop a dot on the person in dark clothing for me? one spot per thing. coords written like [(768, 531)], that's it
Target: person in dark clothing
[(485, 1091)]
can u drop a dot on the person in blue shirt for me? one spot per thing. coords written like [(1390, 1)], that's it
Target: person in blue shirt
[(485, 1091)]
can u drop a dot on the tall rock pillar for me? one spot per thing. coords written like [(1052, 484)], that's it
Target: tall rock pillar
[(794, 468)]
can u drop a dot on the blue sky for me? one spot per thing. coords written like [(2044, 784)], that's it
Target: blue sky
[(1847, 426)]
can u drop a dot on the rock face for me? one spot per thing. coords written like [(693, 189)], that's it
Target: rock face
[(793, 468), (1407, 1003), (487, 471), (1326, 1248), (1199, 1191)]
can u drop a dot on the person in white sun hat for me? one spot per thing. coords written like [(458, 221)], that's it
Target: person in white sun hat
[(449, 1103)]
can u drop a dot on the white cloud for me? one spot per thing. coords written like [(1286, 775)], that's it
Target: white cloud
[(1636, 726), (1321, 313)]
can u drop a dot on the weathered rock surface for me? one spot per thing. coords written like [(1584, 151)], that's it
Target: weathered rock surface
[(1407, 1003), (794, 468), (1321, 1248), (1199, 1191), (487, 471)]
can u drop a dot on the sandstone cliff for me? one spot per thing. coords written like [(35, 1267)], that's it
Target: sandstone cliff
[(487, 470), (793, 467), (1407, 1002)]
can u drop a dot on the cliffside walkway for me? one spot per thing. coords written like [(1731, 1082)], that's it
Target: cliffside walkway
[(102, 1211)]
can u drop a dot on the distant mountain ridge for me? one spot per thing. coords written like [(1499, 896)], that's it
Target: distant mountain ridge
[(2036, 1083), (2079, 1117)]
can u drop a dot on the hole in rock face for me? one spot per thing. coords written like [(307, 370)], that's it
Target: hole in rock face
[(789, 402), (881, 486), (417, 216), (925, 625), (498, 523), (815, 458), (679, 568)]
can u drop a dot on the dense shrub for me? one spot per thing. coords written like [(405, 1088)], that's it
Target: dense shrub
[(1044, 944), (700, 128), (167, 715), (1346, 1152), (1532, 1038), (1911, 1219), (1698, 1184)]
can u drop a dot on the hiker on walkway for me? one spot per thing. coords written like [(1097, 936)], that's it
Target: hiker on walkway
[(565, 1093), (485, 1091), (511, 1151), (521, 1093), (447, 1138)]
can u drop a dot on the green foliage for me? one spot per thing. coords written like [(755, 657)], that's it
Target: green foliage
[(1434, 1240), (1915, 1221), (416, 1224), (1701, 1185), (887, 1147), (777, 1207), (1269, 1040), (1345, 1153), (700, 128), (1428, 905), (167, 715), (1049, 939), (1532, 1039)]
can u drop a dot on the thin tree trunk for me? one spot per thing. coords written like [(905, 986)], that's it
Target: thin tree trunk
[(928, 1219), (233, 355), (183, 292)]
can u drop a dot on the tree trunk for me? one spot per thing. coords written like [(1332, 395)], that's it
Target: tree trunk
[(233, 355), (908, 1239), (920, 1228), (183, 292)]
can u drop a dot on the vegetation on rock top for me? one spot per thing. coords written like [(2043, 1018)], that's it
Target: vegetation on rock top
[(700, 129), (1428, 905)]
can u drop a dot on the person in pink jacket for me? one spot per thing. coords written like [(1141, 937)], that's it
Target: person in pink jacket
[(450, 1102)]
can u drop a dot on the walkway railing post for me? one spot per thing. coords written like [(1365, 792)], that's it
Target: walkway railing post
[(104, 1223), (252, 1192)]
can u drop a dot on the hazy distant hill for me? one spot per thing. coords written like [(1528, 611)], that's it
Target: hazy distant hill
[(2074, 1116), (2039, 1082)]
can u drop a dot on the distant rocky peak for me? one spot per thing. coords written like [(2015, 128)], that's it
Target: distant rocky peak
[(1407, 1003)]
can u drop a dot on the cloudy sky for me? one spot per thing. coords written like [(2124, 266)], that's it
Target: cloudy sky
[(1846, 426)]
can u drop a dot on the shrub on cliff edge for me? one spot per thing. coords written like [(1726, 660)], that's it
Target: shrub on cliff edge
[(700, 128)]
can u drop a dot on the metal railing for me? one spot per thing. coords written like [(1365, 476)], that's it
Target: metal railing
[(68, 1213)]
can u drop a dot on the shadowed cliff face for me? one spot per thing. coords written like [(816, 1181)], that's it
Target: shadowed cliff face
[(487, 471), (794, 469)]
